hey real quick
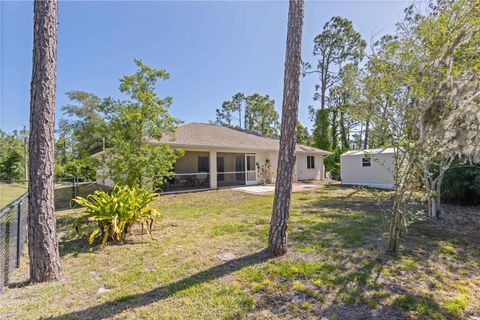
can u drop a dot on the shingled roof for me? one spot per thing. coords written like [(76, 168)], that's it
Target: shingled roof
[(215, 136)]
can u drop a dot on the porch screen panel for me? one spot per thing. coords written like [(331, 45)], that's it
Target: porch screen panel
[(192, 172), (230, 169)]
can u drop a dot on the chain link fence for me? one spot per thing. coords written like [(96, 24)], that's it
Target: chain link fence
[(13, 227), (13, 217), (67, 190)]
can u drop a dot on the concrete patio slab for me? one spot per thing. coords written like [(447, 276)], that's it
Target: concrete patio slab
[(270, 188)]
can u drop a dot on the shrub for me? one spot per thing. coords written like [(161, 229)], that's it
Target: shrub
[(461, 185), (332, 164), (117, 212)]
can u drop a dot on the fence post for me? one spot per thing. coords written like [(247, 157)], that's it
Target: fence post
[(19, 231), (2, 262), (6, 262), (74, 191)]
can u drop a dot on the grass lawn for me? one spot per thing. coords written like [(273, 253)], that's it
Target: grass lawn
[(206, 262), (11, 191)]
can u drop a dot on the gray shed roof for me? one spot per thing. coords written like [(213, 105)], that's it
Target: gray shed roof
[(215, 136)]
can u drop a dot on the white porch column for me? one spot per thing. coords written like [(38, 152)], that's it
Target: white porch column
[(213, 169)]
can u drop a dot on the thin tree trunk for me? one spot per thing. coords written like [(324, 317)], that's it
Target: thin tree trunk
[(343, 132), (286, 157), (367, 127), (42, 241), (334, 130), (360, 141), (395, 231)]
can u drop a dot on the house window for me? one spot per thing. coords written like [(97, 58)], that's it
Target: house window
[(203, 165), (366, 162), (310, 162)]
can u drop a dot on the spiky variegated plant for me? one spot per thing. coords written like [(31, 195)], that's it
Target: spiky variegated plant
[(115, 213)]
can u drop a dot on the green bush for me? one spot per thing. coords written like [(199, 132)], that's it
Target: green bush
[(461, 185), (332, 164), (117, 212)]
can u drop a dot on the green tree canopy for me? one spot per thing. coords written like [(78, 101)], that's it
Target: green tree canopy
[(231, 111), (321, 133), (84, 123), (137, 123), (303, 135), (11, 155), (258, 115)]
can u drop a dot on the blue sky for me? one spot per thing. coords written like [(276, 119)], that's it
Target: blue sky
[(211, 49)]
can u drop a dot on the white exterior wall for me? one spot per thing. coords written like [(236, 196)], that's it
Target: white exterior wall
[(303, 173), (379, 174)]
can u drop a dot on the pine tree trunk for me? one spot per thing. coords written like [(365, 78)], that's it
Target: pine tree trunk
[(286, 157), (367, 127), (42, 241)]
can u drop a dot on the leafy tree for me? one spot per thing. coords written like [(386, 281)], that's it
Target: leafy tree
[(260, 115), (277, 239), (321, 132), (81, 169), (11, 166), (303, 136), (426, 82), (461, 184), (85, 124), (42, 239), (338, 43), (346, 101), (231, 110), (133, 159), (332, 164), (12, 162), (450, 81)]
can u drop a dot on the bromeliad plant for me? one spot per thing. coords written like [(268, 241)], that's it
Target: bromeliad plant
[(117, 212)]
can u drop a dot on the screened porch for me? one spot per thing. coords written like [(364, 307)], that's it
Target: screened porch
[(198, 170)]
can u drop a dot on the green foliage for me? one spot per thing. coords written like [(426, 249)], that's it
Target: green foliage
[(338, 49), (259, 114), (82, 169), (84, 126), (11, 167), (461, 185), (339, 42), (133, 158), (321, 131), (332, 164), (303, 136), (117, 212), (11, 155), (265, 172), (456, 305), (231, 110)]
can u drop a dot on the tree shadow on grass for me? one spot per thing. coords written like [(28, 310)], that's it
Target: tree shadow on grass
[(115, 307)]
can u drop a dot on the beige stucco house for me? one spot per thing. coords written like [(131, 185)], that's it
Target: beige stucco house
[(218, 156)]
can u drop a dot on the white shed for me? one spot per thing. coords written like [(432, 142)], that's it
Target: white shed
[(370, 167)]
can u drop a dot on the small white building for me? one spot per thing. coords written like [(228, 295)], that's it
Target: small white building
[(370, 167)]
